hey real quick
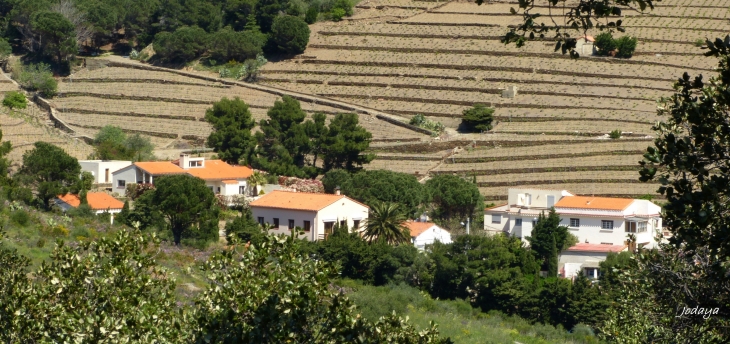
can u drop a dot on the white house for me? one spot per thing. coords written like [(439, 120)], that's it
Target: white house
[(426, 233), (102, 169), (223, 179), (98, 201), (595, 220), (315, 213), (585, 258)]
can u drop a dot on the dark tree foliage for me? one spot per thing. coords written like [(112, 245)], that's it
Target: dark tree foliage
[(605, 43), (626, 46), (5, 148), (267, 11), (231, 137), (188, 205), (290, 34), (15, 100), (548, 238), (539, 18), (345, 144), (477, 119), (185, 44), (174, 14), (311, 16), (374, 186), (386, 223), (317, 131), (228, 45), (56, 34), (453, 197), (49, 170), (245, 229), (237, 13)]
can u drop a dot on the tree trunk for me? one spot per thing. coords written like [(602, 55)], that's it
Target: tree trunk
[(177, 234)]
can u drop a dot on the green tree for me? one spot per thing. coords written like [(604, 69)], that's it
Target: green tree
[(626, 46), (317, 131), (226, 45), (104, 290), (231, 137), (386, 222), (112, 134), (478, 118), (453, 197), (245, 229), (548, 239), (38, 77), (57, 34), (266, 13), (283, 143), (187, 204), (375, 186), (335, 178), (5, 148), (141, 147), (311, 15), (15, 100), (123, 216), (290, 34), (345, 143), (185, 44), (49, 170), (5, 49)]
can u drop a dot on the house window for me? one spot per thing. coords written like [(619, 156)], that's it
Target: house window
[(121, 184), (291, 224), (307, 226), (606, 224), (630, 227), (575, 223), (242, 189), (276, 222), (356, 224), (218, 190), (328, 227), (534, 223), (518, 222), (261, 220), (496, 218), (343, 223), (195, 163), (642, 227)]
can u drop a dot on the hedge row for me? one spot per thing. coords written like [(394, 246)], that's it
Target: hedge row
[(516, 118), (130, 114), (125, 97), (540, 170), (434, 146)]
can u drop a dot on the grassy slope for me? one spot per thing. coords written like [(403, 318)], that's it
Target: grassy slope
[(456, 319)]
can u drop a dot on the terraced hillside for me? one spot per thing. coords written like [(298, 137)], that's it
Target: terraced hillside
[(170, 107), (438, 58), (27, 126)]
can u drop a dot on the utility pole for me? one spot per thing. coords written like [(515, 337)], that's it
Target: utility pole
[(468, 221)]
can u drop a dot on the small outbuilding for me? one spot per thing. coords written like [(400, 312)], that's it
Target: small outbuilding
[(102, 169), (426, 233), (98, 201), (585, 45), (585, 259)]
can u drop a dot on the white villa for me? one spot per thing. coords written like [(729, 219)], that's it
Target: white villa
[(222, 178), (594, 220), (315, 213), (99, 202), (426, 233), (102, 169)]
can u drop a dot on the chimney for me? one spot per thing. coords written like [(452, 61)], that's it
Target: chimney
[(184, 161), (338, 191)]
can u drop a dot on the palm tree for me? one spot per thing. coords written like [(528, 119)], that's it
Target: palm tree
[(386, 222), (255, 180)]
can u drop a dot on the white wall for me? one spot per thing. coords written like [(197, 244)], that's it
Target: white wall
[(344, 209), (284, 216), (503, 225), (129, 175), (538, 197), (569, 260), (590, 229), (431, 235), (98, 168)]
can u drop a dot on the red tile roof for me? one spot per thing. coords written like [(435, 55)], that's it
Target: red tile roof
[(96, 200), (584, 247), (157, 168), (417, 228), (597, 203), (298, 200), (219, 170)]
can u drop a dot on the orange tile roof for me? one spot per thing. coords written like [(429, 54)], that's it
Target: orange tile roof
[(230, 181), (588, 202), (96, 200), (585, 247), (298, 200), (159, 167), (219, 170), (416, 228)]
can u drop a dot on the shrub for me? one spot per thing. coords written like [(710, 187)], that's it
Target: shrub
[(38, 77), (699, 42), (15, 100), (626, 46), (337, 14), (290, 34), (20, 217), (616, 134), (312, 13), (344, 5), (605, 43), (185, 44), (421, 121), (478, 118), (5, 49)]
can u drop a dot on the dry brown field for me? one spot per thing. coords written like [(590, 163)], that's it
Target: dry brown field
[(440, 58), (169, 107)]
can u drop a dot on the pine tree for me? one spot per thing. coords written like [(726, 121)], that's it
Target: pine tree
[(123, 215), (552, 261)]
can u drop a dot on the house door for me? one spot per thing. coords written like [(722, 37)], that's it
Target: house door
[(328, 228), (106, 175), (550, 201)]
